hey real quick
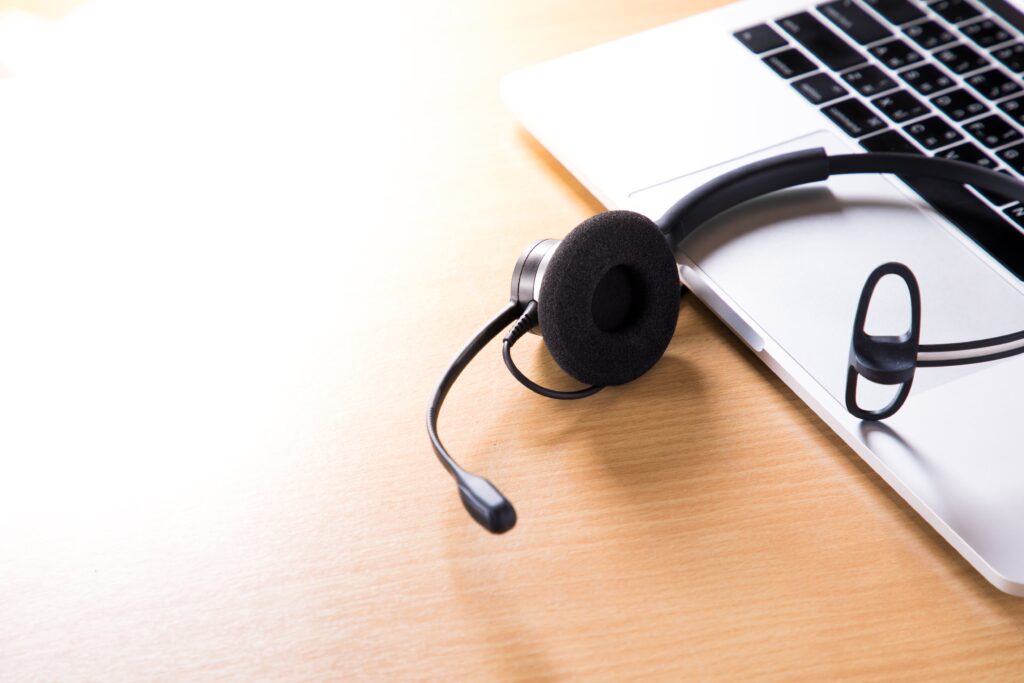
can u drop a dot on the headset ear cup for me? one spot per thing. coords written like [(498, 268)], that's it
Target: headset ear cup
[(609, 299)]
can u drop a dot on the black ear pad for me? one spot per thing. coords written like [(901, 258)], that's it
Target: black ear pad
[(609, 299)]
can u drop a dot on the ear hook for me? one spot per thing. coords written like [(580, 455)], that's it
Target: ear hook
[(883, 359)]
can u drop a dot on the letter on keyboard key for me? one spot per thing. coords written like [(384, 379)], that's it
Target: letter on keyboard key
[(760, 38), (928, 35), (896, 11), (789, 63), (895, 54), (959, 105), (900, 106), (1016, 214), (955, 11), (889, 141), (926, 78), (970, 153), (960, 59), (857, 23), (993, 131), (1014, 108), (819, 88), (994, 84), (933, 133), (820, 41), (1013, 157), (869, 80), (1012, 56), (986, 33), (854, 118)]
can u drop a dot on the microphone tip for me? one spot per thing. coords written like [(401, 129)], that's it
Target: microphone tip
[(484, 502)]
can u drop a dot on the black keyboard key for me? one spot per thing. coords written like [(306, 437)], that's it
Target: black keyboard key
[(1013, 157), (933, 133), (895, 54), (986, 33), (927, 78), (889, 141), (1012, 56), (970, 153), (976, 220), (959, 105), (896, 11), (854, 117), (789, 63), (760, 38), (1014, 108), (961, 59), (821, 42), (1016, 214), (857, 23), (900, 106), (955, 11), (929, 35), (819, 88), (993, 131), (869, 80), (995, 197), (994, 84)]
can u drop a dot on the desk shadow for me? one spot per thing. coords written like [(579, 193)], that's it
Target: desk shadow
[(621, 417), (660, 410), (980, 589), (871, 431)]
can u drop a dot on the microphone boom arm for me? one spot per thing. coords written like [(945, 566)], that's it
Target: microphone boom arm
[(481, 498)]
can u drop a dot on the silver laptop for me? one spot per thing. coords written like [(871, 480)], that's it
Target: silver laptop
[(643, 120)]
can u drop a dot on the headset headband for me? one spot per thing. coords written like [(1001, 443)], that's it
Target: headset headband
[(815, 165)]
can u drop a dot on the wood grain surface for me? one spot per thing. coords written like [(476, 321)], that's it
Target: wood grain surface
[(287, 520)]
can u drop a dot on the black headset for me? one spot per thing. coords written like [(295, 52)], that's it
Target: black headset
[(606, 298)]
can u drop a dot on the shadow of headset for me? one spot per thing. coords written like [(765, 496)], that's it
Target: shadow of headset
[(606, 297)]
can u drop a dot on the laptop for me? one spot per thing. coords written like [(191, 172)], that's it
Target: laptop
[(643, 120)]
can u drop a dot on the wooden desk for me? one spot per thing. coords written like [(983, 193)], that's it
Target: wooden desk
[(698, 524)]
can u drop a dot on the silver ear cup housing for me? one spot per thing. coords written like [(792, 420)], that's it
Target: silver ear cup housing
[(529, 273)]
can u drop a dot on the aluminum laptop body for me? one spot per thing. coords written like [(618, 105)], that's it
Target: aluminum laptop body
[(643, 120)]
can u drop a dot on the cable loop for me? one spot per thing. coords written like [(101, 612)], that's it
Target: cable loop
[(526, 322)]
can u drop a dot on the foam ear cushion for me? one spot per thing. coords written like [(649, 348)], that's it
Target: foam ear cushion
[(613, 338)]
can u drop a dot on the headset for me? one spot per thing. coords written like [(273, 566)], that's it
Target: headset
[(606, 298)]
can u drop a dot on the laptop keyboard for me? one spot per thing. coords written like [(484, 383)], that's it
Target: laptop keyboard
[(936, 77)]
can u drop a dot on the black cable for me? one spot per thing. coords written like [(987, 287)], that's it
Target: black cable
[(491, 330), (970, 360), (971, 345), (978, 345), (525, 323)]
